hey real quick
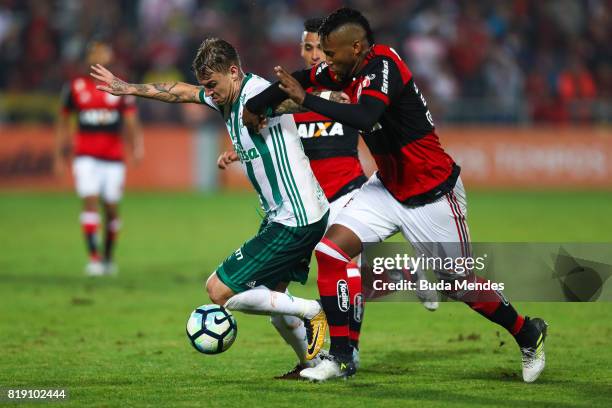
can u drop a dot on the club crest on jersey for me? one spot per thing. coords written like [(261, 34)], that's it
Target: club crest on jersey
[(318, 129), (343, 295)]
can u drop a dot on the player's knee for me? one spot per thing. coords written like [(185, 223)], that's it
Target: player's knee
[(112, 211), (90, 203), (210, 288), (217, 299), (216, 296), (217, 291)]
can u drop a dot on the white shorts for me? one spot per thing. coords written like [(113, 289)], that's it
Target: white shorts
[(338, 204), (374, 215), (101, 178)]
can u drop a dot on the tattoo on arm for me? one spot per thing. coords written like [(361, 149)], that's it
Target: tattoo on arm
[(288, 106), (173, 92), (334, 96)]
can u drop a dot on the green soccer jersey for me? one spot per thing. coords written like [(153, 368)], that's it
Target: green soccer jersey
[(274, 161)]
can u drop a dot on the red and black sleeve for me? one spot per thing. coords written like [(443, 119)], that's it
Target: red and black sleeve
[(362, 115), (383, 80), (270, 97)]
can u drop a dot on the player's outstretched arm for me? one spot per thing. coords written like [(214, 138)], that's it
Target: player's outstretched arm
[(174, 92), (289, 106), (273, 95), (362, 115)]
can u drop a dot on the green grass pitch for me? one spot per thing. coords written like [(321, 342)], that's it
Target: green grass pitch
[(120, 341)]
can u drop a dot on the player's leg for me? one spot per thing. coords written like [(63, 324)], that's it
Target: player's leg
[(292, 330), (112, 225), (357, 300), (88, 187), (276, 254), (357, 223), (429, 298), (112, 192), (259, 300), (443, 224), (90, 222), (357, 307)]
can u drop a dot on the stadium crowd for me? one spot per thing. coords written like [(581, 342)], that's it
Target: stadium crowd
[(498, 61)]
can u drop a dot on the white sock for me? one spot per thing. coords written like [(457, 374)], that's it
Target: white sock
[(292, 329), (263, 301)]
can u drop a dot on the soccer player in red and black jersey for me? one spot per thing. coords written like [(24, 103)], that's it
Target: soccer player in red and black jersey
[(417, 190), (330, 146), (104, 121)]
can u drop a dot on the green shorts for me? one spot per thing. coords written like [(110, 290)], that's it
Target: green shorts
[(278, 253)]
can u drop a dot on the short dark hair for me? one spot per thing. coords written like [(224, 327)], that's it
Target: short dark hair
[(344, 16), (214, 55), (312, 24)]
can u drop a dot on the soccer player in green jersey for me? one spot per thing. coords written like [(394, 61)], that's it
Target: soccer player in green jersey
[(254, 278)]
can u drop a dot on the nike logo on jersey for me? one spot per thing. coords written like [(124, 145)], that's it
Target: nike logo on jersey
[(318, 129)]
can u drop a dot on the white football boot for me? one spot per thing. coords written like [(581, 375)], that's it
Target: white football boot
[(532, 337), (94, 268), (329, 368), (110, 268), (356, 359)]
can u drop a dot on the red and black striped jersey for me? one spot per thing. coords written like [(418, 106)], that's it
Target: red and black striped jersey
[(412, 164), (100, 116), (331, 148)]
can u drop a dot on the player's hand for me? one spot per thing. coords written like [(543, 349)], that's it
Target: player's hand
[(113, 85), (253, 121), (290, 85), (226, 158)]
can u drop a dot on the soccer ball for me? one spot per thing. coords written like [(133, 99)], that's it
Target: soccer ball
[(211, 329)]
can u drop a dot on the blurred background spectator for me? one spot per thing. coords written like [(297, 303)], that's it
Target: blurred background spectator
[(508, 61)]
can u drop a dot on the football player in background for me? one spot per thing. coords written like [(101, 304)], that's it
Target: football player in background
[(106, 124)]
